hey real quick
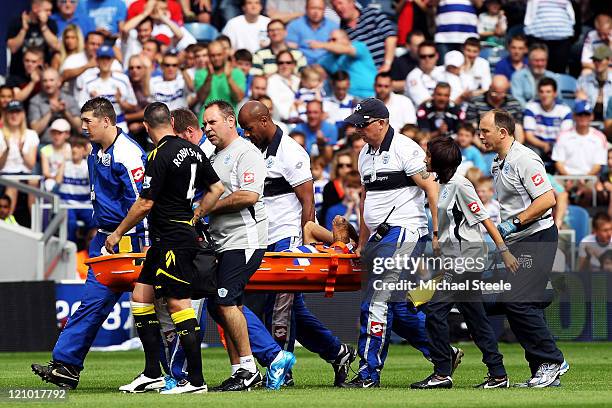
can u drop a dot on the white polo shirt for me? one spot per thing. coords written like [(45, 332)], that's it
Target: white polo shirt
[(401, 111), (579, 153), (386, 175), (287, 166), (420, 86)]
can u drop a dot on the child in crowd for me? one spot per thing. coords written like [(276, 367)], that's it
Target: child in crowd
[(298, 137), (244, 62), (54, 155), (422, 138), (461, 83), (492, 24), (484, 189), (73, 180), (409, 130), (311, 88), (473, 174), (319, 178), (349, 206), (470, 153), (594, 245)]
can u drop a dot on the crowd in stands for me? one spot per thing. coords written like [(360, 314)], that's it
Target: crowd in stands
[(436, 64)]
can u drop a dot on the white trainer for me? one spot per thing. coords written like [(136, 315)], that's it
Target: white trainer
[(143, 383), (185, 387)]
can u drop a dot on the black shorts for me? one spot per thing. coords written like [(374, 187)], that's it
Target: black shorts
[(170, 271), (234, 272)]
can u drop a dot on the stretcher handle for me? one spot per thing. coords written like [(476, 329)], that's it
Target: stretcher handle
[(330, 282)]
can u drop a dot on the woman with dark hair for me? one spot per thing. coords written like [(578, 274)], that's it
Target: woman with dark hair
[(333, 192), (464, 251)]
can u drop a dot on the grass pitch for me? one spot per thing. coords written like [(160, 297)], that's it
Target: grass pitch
[(588, 383)]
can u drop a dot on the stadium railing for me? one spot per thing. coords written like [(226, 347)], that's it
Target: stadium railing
[(591, 179), (56, 226)]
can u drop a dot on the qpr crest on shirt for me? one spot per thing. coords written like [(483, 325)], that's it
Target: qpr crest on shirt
[(385, 157)]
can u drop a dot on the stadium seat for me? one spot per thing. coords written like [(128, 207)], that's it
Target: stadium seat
[(579, 221), (567, 89), (201, 31)]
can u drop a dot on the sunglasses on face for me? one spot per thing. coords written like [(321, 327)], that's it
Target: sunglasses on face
[(285, 62), (427, 56), (342, 165), (365, 124), (68, 1), (170, 65)]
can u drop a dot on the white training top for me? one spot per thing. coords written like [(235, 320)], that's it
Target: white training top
[(401, 111), (579, 153), (288, 166), (387, 177), (420, 86)]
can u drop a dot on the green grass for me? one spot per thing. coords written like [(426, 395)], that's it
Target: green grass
[(588, 383)]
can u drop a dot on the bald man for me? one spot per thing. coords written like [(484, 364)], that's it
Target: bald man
[(289, 199), (497, 97)]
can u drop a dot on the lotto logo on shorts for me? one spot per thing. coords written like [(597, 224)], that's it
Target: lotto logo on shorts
[(280, 332), (248, 177), (537, 179), (138, 174), (376, 329), (474, 207)]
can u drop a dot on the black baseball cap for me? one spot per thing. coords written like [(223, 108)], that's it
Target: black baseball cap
[(366, 110), (14, 106)]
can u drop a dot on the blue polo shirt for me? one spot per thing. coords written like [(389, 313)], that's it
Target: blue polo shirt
[(330, 131), (504, 67), (82, 21), (360, 68), (300, 32)]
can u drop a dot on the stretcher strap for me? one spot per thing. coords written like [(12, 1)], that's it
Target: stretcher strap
[(330, 283)]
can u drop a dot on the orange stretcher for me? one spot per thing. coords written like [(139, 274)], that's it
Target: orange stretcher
[(278, 272)]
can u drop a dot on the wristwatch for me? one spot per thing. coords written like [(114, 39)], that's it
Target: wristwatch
[(516, 222)]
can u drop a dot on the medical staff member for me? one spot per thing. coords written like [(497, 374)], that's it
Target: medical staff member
[(526, 199), (460, 213), (268, 353), (289, 198), (394, 224), (116, 171)]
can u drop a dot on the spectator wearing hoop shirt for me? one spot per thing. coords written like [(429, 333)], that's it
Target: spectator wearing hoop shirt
[(601, 35), (544, 119), (370, 26), (456, 21)]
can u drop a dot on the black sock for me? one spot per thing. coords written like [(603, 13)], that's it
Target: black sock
[(147, 327), (188, 335)]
